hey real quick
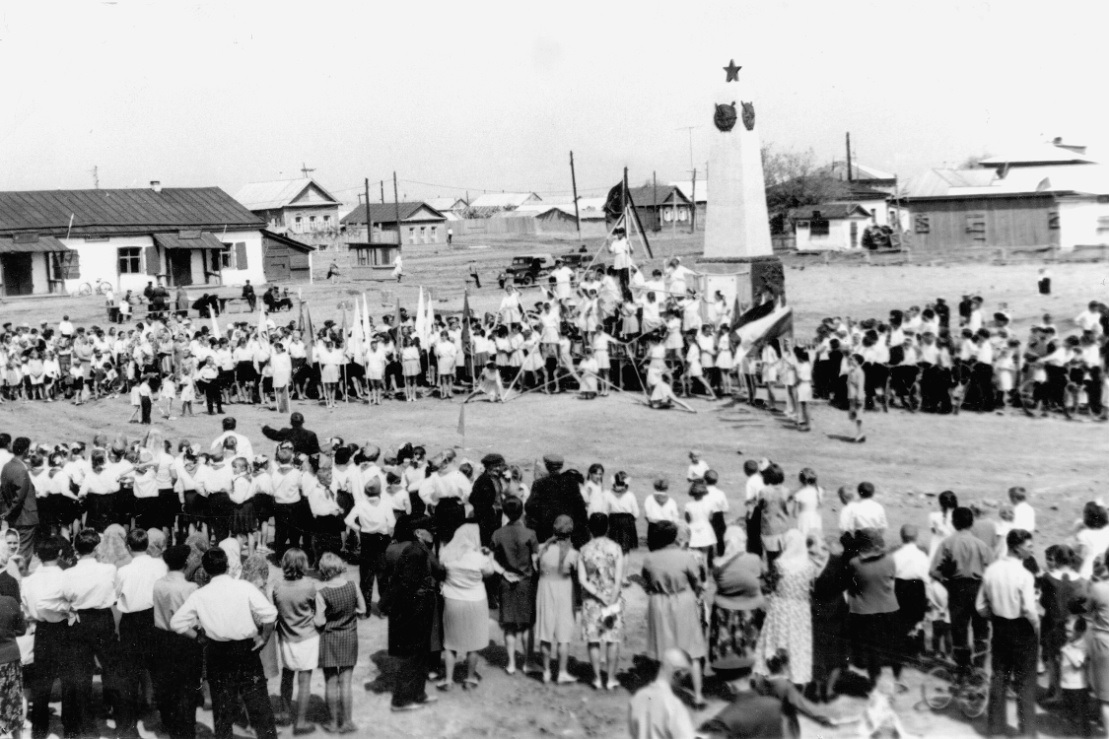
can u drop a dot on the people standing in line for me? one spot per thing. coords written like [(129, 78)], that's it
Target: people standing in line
[(338, 605), (135, 602), (236, 620), (89, 592), (1008, 598), (299, 641), (178, 666), (959, 564), (42, 598), (516, 550), (601, 570), (409, 603)]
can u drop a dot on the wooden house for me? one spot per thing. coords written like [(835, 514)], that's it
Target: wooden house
[(829, 226)]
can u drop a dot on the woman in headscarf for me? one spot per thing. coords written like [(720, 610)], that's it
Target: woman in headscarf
[(198, 544), (788, 623), (672, 579), (12, 625), (112, 548), (157, 543), (554, 604), (465, 605), (234, 552), (738, 607), (829, 615)]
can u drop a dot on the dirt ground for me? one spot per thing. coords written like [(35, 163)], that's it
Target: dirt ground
[(909, 458)]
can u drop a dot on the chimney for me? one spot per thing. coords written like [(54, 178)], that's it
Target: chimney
[(156, 185)]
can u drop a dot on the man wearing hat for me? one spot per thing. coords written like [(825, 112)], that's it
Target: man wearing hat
[(485, 497), (556, 495)]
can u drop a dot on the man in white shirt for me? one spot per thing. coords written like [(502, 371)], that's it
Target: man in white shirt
[(230, 613), (867, 513), (1090, 319), (243, 447), (137, 647), (88, 594), (43, 602), (1008, 599), (720, 507), (289, 515), (372, 517), (563, 277), (215, 481), (282, 365), (751, 496)]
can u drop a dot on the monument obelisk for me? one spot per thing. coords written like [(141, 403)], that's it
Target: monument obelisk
[(738, 259)]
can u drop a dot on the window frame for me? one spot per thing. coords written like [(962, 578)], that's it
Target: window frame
[(132, 257)]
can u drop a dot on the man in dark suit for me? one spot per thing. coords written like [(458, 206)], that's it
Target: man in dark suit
[(552, 496), (303, 441), (17, 498)]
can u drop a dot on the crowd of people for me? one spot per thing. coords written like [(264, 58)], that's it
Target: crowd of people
[(592, 328), (153, 562)]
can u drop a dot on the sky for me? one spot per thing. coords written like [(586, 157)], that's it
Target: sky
[(461, 98)]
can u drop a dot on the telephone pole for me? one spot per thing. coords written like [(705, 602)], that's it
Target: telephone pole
[(369, 223), (396, 209), (574, 183), (96, 177), (693, 197)]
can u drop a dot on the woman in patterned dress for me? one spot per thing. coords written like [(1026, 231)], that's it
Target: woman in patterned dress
[(12, 625), (738, 606), (338, 605), (601, 574), (788, 622)]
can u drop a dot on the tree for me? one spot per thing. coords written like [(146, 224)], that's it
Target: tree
[(973, 161), (793, 180)]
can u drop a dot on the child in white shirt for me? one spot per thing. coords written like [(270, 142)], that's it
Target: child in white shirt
[(1073, 680), (1024, 515)]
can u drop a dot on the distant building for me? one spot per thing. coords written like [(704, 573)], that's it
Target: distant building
[(862, 175), (52, 241), (829, 226), (448, 205), (486, 205), (1013, 201), (661, 206), (301, 208), (285, 258), (376, 249)]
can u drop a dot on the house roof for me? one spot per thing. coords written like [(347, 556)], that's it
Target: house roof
[(686, 187), (280, 193), (829, 211), (1092, 179), (863, 172), (1037, 154), (34, 245), (187, 240), (940, 182), (387, 213), (108, 212), (445, 204), (645, 197), (503, 199), (283, 239)]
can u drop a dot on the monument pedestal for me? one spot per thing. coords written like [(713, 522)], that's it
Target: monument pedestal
[(747, 280)]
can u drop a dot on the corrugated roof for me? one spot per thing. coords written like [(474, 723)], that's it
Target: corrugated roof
[(645, 197), (444, 204), (503, 199), (828, 211), (278, 193), (108, 212), (939, 182), (1033, 154), (188, 240), (283, 239), (387, 212), (36, 245)]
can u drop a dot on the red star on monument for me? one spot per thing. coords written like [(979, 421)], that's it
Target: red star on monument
[(733, 71)]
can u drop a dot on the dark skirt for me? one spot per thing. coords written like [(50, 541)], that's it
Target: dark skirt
[(101, 510), (243, 518), (169, 507), (339, 648), (621, 529), (517, 603), (652, 536), (733, 635), (61, 511), (244, 372), (125, 504), (263, 507), (195, 509), (874, 638)]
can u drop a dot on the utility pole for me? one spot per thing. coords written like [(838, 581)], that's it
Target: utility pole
[(654, 199), (574, 183), (849, 174), (305, 169), (693, 197), (369, 223), (96, 177), (396, 209)]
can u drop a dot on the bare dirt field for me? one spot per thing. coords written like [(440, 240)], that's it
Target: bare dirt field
[(909, 458)]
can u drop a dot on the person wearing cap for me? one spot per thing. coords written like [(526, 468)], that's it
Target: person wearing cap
[(554, 495), (486, 495), (304, 441)]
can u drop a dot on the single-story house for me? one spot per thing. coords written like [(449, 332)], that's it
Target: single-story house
[(448, 205), (419, 224), (661, 206), (53, 241), (489, 203), (829, 226), (1062, 206)]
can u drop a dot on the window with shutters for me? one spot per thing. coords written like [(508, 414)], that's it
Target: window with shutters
[(227, 256), (976, 225), (1053, 220), (71, 265), (130, 260)]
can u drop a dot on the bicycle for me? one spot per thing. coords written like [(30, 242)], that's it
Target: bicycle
[(102, 286), (969, 687)]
